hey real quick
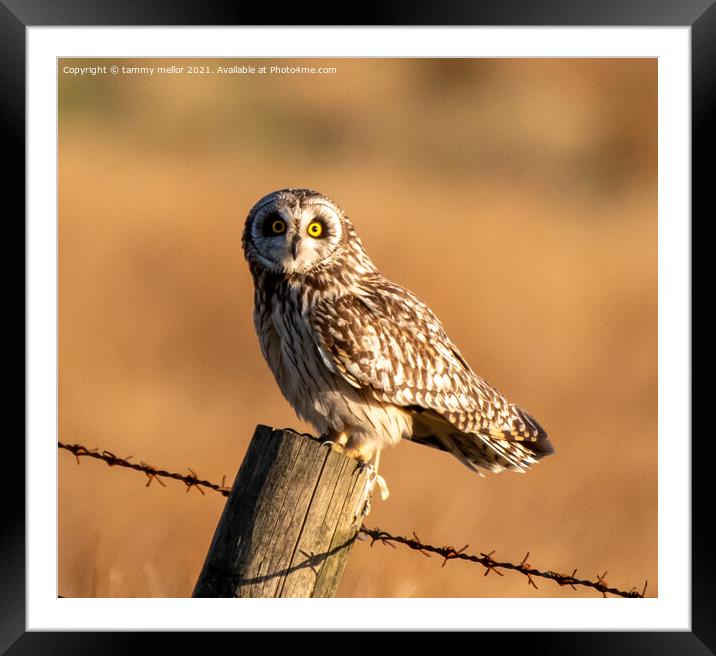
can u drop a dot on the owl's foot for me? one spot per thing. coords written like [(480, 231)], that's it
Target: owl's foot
[(365, 454), (334, 440), (333, 446)]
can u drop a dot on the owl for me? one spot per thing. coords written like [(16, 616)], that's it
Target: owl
[(361, 358)]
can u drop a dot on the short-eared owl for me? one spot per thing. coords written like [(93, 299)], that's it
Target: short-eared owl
[(362, 358)]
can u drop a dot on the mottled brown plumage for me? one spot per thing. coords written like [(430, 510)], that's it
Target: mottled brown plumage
[(362, 358)]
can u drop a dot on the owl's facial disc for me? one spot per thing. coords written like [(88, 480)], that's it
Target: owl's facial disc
[(295, 237)]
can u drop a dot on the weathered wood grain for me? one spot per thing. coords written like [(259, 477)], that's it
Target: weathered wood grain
[(289, 522)]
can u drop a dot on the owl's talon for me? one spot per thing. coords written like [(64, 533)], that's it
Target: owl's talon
[(333, 446), (362, 465)]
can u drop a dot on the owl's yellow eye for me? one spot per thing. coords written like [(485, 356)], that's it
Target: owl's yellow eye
[(278, 227), (315, 229)]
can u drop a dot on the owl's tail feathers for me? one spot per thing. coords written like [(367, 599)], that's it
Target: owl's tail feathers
[(540, 447), (477, 451)]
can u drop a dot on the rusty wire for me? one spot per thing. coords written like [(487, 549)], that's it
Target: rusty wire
[(492, 565), (191, 480)]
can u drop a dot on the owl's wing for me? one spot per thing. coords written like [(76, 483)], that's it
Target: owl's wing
[(390, 342)]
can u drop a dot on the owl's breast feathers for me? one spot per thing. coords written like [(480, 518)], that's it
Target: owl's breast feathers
[(384, 339)]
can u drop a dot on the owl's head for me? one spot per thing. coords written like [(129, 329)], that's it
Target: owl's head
[(295, 231)]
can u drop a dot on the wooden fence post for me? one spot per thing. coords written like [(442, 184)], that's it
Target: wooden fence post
[(289, 523)]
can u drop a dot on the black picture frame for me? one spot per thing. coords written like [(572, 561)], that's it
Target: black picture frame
[(700, 15)]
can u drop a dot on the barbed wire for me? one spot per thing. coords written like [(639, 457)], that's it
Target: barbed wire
[(153, 473), (492, 565), (448, 553)]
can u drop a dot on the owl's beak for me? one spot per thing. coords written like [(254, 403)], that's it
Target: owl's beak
[(294, 245)]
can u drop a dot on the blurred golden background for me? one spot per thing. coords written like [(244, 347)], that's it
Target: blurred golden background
[(517, 197)]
